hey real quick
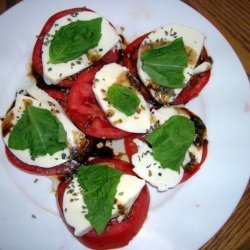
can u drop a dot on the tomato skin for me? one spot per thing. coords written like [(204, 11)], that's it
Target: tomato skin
[(131, 148), (32, 169), (85, 111), (59, 96), (189, 173), (194, 86), (116, 234), (130, 54), (111, 56)]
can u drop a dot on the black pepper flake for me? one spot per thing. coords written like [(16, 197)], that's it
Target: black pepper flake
[(160, 174), (149, 173), (166, 33), (49, 69), (32, 158), (36, 180), (56, 24), (103, 90), (60, 74), (65, 210), (63, 156), (100, 49), (78, 62), (121, 193), (33, 216), (71, 200), (69, 19)]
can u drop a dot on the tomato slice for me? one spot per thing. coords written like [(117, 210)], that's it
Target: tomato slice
[(130, 55), (59, 96), (194, 86), (85, 111), (131, 149), (111, 56), (32, 169), (116, 234)]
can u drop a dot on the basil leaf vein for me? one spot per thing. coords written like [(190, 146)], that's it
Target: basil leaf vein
[(75, 39), (171, 140), (39, 131), (99, 183), (165, 64), (123, 98)]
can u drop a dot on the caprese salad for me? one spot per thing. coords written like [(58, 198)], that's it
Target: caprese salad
[(89, 89)]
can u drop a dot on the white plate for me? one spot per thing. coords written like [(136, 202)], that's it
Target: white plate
[(183, 218)]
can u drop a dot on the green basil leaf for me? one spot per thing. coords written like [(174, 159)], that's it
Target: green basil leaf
[(171, 140), (165, 64), (39, 131), (99, 183), (75, 39), (123, 98)]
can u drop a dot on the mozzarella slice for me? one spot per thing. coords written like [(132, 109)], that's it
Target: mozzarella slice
[(75, 209), (150, 169), (54, 73), (116, 74), (193, 41), (75, 138)]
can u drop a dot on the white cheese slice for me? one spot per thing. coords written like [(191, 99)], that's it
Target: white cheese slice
[(75, 138), (111, 74), (193, 41), (150, 169), (54, 73), (75, 209)]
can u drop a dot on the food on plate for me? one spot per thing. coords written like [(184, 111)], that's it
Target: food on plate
[(119, 98), (70, 42), (85, 97), (39, 136), (171, 62), (85, 111), (87, 202), (172, 151)]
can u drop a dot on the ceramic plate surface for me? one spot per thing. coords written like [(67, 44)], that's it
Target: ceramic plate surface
[(183, 218)]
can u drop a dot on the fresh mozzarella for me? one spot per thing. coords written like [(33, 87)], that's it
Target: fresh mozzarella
[(75, 138), (193, 42), (116, 74), (54, 73), (75, 209), (150, 169)]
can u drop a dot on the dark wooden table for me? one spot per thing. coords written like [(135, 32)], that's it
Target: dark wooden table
[(232, 18)]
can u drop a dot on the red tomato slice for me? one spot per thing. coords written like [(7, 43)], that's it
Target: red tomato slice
[(59, 96), (131, 148), (32, 169), (194, 86), (86, 112), (116, 234), (111, 56), (130, 54)]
